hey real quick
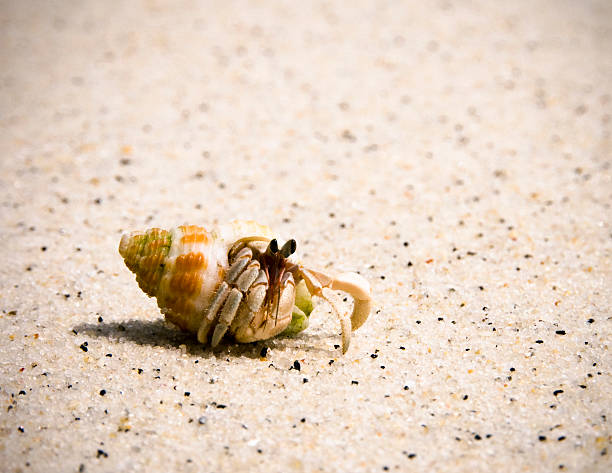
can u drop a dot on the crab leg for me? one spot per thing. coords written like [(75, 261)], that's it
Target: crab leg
[(351, 283), (248, 276), (359, 289), (345, 323), (256, 323), (242, 259), (244, 278), (254, 300), (211, 313), (232, 304), (257, 292), (227, 315)]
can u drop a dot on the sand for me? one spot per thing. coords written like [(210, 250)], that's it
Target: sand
[(456, 154)]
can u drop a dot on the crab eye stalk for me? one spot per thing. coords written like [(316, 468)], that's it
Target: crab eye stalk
[(288, 248), (272, 247)]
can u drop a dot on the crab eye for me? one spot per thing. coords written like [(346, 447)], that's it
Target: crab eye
[(273, 247), (288, 248)]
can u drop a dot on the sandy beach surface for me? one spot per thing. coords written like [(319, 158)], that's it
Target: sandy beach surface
[(457, 154)]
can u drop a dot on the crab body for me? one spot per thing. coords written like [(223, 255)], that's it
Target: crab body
[(235, 279)]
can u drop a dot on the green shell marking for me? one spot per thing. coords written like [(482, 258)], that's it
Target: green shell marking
[(301, 310)]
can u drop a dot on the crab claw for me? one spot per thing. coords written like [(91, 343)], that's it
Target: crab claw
[(322, 285), (359, 289)]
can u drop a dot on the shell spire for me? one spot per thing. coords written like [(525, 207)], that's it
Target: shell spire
[(181, 268), (145, 255)]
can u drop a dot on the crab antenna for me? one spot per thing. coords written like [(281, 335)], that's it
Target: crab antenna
[(278, 293), (288, 248)]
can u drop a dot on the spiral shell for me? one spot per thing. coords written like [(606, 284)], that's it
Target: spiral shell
[(183, 267)]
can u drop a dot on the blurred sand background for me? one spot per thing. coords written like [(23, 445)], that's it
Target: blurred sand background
[(457, 154)]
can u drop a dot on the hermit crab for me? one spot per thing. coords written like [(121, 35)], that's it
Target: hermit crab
[(237, 279)]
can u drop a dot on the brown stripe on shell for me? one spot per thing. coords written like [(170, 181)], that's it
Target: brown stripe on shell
[(180, 289), (193, 234), (186, 278)]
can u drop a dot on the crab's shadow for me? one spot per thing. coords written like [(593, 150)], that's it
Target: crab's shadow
[(159, 333)]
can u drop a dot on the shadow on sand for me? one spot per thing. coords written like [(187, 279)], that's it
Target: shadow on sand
[(158, 333)]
